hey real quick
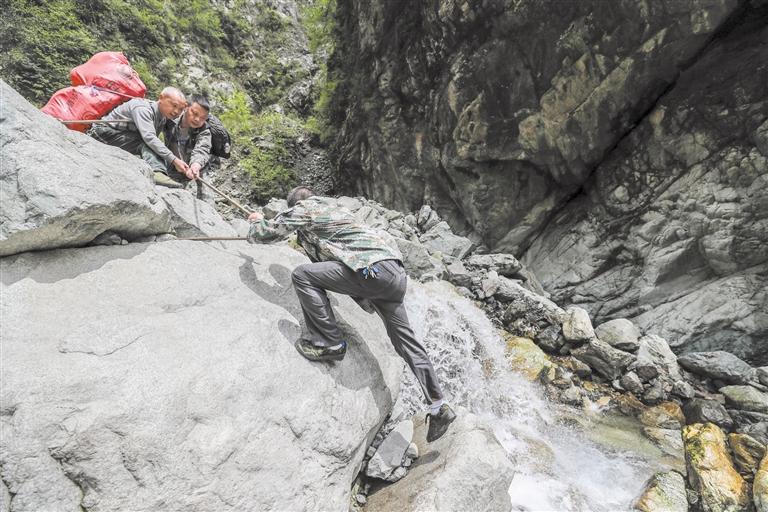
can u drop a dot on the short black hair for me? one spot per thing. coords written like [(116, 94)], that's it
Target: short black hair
[(299, 194), (200, 100)]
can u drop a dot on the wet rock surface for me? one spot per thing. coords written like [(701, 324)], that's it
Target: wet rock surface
[(99, 411)]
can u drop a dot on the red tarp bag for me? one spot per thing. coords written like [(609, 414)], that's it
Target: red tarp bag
[(109, 70), (81, 102)]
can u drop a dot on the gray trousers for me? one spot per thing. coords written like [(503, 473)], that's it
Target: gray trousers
[(129, 141), (386, 293)]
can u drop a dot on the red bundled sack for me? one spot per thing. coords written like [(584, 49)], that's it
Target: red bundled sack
[(109, 70), (82, 102)]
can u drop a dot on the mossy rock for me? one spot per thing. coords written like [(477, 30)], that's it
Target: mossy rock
[(526, 357), (710, 470)]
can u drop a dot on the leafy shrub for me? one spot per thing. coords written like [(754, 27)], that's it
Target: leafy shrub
[(264, 145), (41, 43)]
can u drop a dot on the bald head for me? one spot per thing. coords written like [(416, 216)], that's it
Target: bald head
[(171, 102)]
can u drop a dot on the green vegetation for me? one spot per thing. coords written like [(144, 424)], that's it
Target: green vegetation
[(41, 43), (243, 44), (319, 21), (319, 25), (263, 142)]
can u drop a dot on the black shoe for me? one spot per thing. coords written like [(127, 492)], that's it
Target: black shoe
[(315, 353), (164, 180), (439, 423)]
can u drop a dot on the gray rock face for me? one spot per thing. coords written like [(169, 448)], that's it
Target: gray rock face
[(654, 357), (577, 326), (619, 333), (60, 188), (191, 217), (676, 212), (745, 398), (153, 387), (440, 238), (389, 456), (466, 469), (718, 365), (241, 226), (530, 315), (417, 259), (600, 356), (615, 151)]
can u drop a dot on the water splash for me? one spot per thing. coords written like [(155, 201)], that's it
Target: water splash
[(559, 465)]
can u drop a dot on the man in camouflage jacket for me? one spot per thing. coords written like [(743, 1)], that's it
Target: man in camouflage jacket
[(355, 260)]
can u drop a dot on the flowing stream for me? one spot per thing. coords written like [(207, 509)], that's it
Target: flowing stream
[(566, 459)]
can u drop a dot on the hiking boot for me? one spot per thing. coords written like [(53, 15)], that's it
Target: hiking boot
[(439, 423), (164, 180), (315, 353)]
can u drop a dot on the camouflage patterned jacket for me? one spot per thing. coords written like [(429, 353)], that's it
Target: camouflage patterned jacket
[(328, 232)]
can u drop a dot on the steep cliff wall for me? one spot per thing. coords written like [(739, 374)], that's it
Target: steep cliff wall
[(618, 147)]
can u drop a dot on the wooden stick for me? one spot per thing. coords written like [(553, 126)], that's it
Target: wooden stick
[(211, 238), (94, 121), (243, 208)]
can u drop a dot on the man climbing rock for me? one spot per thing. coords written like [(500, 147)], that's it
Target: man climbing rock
[(351, 259), (189, 139), (139, 134)]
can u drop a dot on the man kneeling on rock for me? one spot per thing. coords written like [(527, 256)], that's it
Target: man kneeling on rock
[(351, 259), (189, 138), (139, 134)]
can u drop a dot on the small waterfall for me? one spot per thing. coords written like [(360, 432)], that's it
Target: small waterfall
[(566, 459)]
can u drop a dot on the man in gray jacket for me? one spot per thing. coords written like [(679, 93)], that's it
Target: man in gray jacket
[(189, 138), (144, 121)]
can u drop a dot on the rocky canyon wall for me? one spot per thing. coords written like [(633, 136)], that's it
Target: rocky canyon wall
[(618, 148)]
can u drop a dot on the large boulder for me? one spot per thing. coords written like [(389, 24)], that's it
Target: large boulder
[(747, 453), (745, 398), (710, 470), (441, 239), (655, 357), (466, 469), (133, 382), (603, 358), (619, 333), (700, 410), (718, 365), (577, 326), (60, 188), (530, 315)]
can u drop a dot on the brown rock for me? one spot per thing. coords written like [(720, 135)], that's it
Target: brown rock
[(665, 415), (747, 453), (760, 487), (710, 470)]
